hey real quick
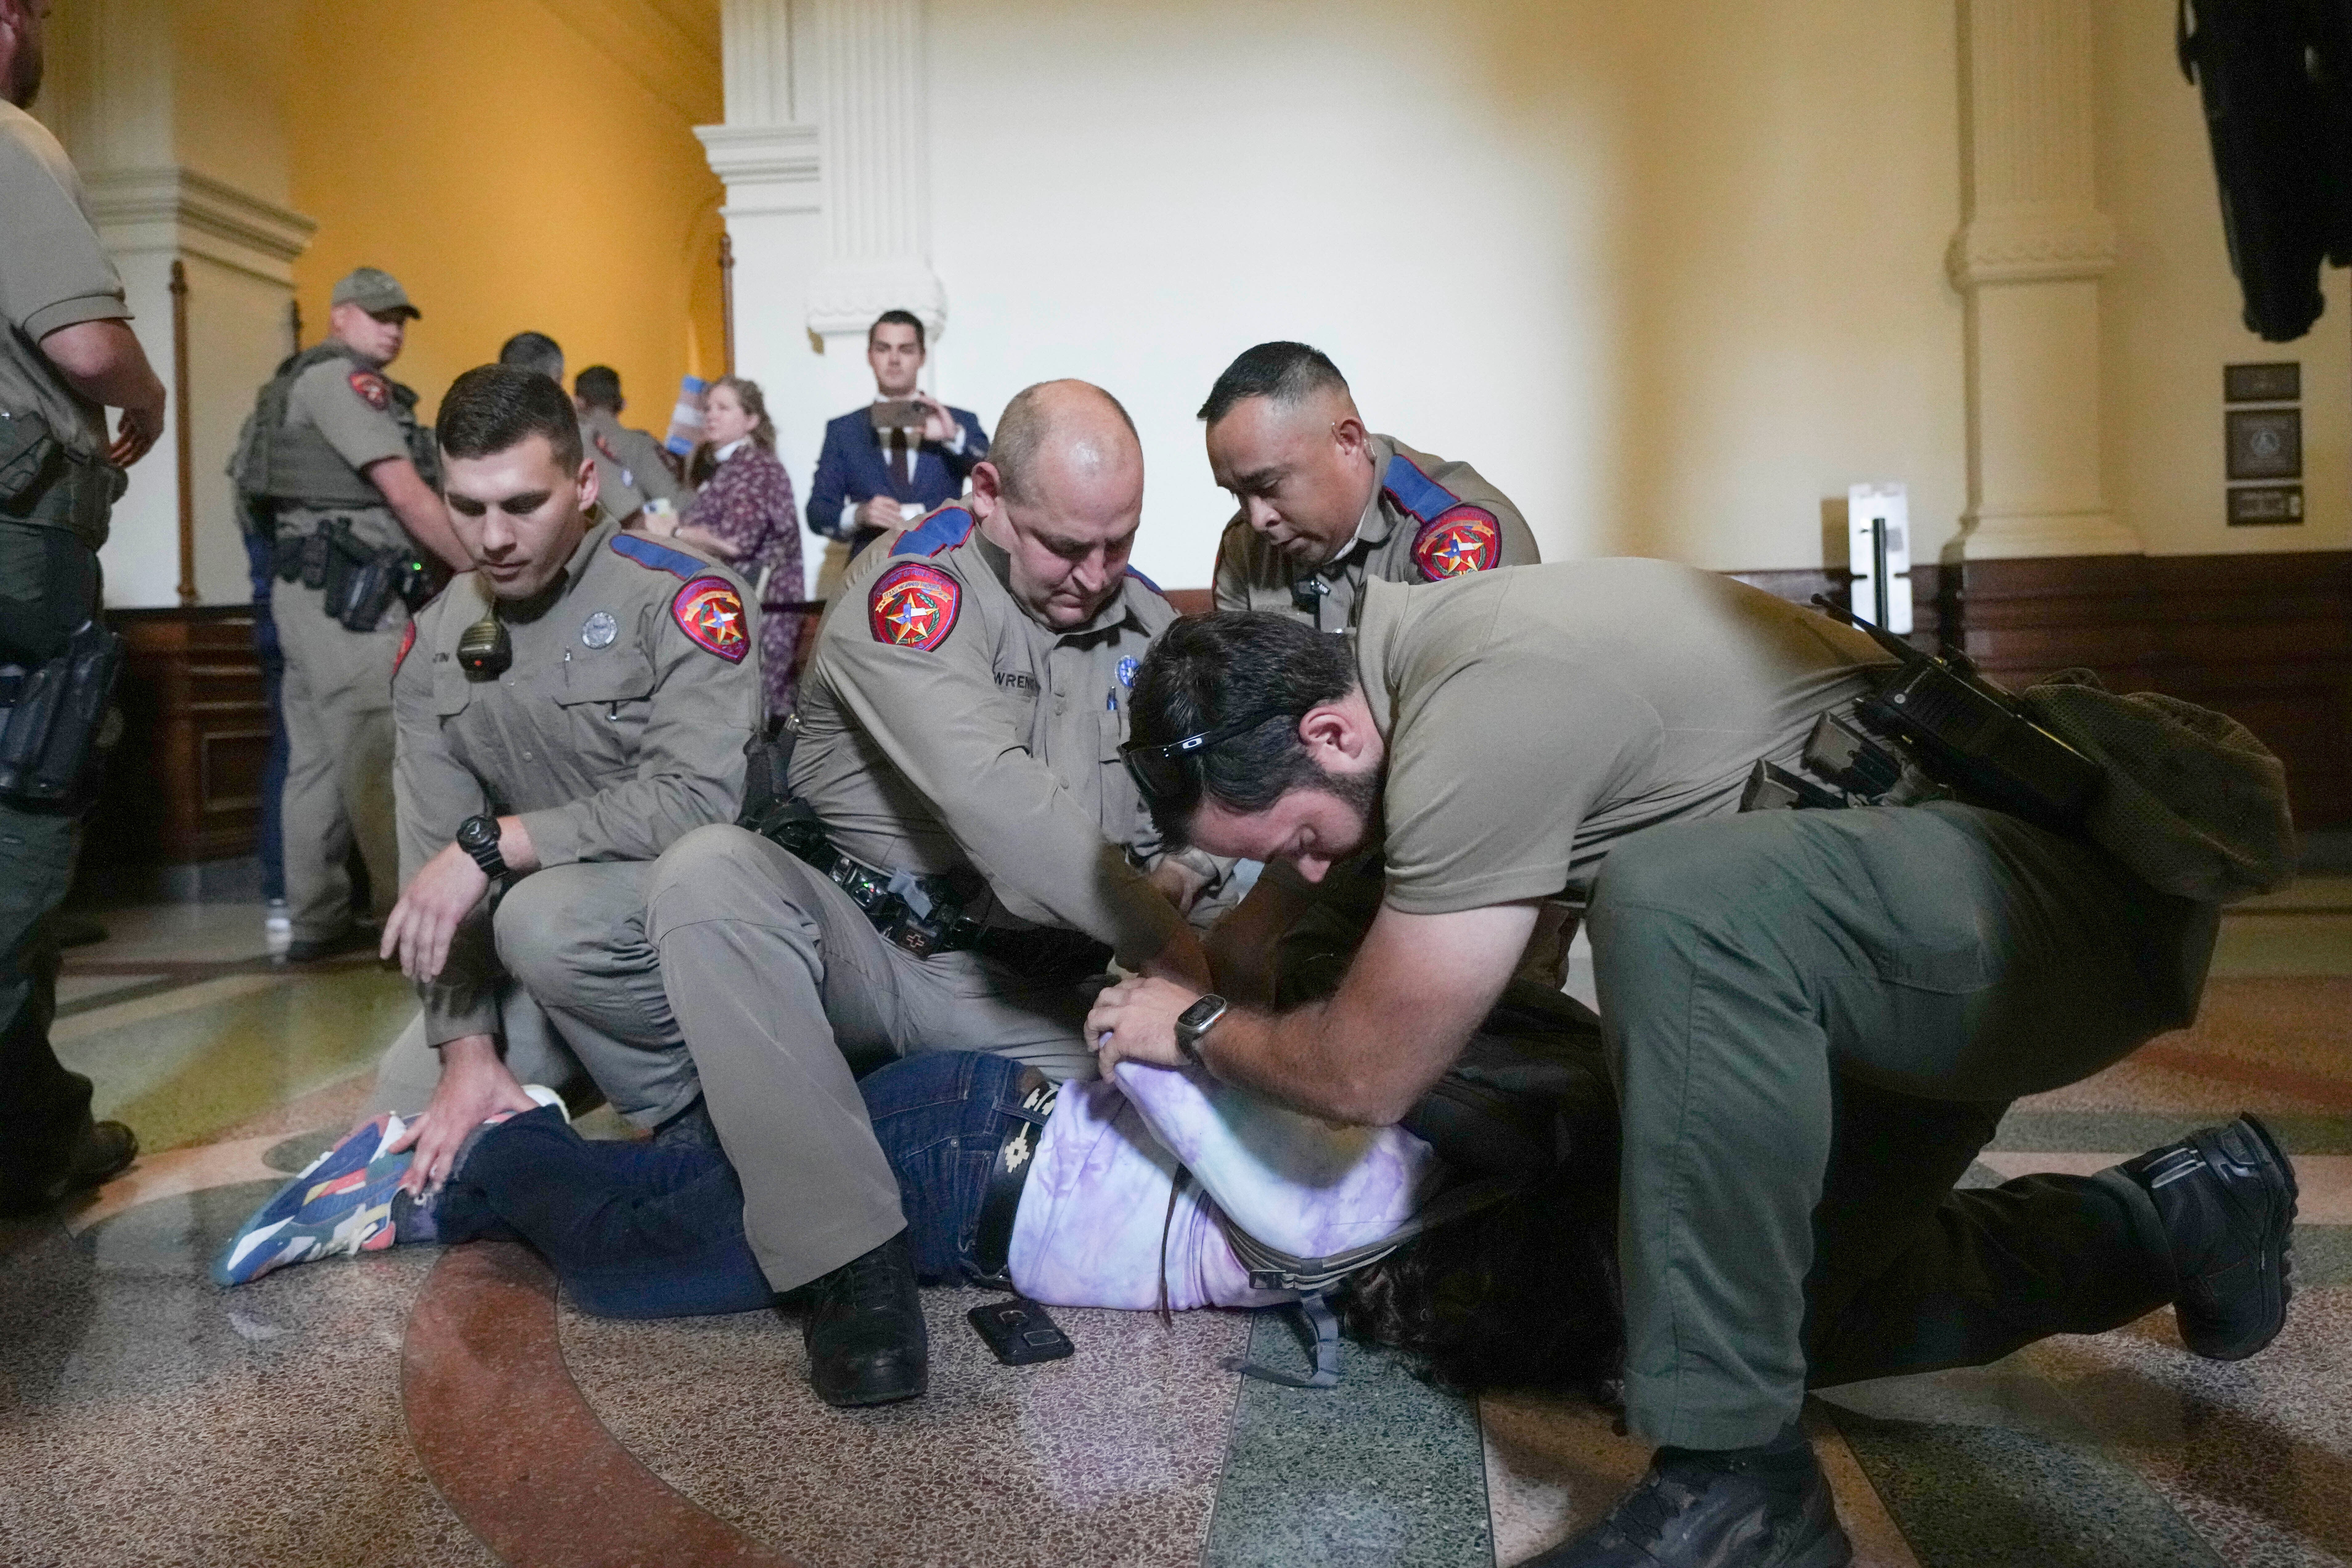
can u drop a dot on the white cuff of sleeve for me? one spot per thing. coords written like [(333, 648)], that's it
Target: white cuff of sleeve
[(848, 518)]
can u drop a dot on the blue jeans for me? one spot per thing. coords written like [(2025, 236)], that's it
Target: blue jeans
[(260, 558), (651, 1230)]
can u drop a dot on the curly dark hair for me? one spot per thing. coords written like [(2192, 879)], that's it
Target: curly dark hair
[(1523, 1294)]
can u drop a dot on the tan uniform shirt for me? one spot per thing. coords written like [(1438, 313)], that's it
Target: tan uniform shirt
[(618, 728), (1428, 520), (53, 274), (943, 727), (1534, 718), (629, 467), (353, 408)]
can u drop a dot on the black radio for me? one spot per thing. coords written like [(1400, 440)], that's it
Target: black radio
[(1963, 730)]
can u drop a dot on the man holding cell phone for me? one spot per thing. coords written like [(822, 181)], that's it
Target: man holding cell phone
[(886, 464)]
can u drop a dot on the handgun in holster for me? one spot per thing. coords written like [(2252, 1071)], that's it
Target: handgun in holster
[(53, 718)]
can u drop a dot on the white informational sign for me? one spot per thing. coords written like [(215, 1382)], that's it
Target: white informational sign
[(1878, 538)]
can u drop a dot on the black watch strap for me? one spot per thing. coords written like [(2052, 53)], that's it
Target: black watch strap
[(478, 837)]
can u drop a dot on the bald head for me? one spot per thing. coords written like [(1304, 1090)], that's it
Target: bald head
[(1061, 493)]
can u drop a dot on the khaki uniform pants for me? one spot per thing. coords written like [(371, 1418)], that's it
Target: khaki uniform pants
[(779, 983), (1815, 1019), (337, 697), (583, 997)]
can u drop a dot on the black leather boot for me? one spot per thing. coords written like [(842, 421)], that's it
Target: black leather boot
[(102, 1152), (865, 1330), (1746, 1508), (2226, 1196)]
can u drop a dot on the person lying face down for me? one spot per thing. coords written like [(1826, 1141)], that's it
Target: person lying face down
[(639, 1231)]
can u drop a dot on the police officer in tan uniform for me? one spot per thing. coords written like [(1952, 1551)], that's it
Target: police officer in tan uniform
[(335, 454), (1327, 506), (66, 355), (1815, 1019), (567, 710), (631, 469), (979, 852)]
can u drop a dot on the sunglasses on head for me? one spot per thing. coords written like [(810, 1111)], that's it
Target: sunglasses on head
[(1171, 770)]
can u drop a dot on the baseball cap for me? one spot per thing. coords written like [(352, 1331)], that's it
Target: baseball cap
[(372, 289)]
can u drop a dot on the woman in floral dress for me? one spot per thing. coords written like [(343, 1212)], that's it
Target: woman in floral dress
[(744, 515)]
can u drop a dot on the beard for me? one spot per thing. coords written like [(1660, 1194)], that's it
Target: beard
[(1361, 794)]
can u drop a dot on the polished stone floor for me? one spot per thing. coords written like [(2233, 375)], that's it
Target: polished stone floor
[(424, 1408)]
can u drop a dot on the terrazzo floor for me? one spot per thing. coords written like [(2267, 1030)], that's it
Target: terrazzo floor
[(431, 1408)]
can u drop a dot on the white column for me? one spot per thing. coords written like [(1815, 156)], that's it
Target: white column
[(876, 169), (2029, 258), (119, 92), (767, 156)]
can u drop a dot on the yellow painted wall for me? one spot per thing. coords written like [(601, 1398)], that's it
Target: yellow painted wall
[(512, 175)]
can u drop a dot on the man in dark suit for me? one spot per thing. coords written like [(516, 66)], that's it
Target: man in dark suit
[(874, 476)]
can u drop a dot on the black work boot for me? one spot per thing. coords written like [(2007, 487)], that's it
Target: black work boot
[(2226, 1196), (102, 1151), (865, 1330), (1741, 1508)]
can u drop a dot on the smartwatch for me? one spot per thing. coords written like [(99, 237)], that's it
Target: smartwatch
[(1196, 1021), (478, 837)]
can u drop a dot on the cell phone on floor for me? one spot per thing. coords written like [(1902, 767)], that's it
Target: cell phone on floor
[(1020, 1332)]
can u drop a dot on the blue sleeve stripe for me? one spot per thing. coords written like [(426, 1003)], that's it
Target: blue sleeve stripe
[(660, 557), (1147, 581), (942, 530), (1415, 491)]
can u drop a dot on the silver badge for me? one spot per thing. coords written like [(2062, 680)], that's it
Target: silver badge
[(600, 629)]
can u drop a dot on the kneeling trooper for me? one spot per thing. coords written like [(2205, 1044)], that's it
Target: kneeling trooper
[(1814, 1018), (968, 852), (567, 710)]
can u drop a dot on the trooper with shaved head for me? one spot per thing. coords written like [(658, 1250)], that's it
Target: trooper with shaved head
[(959, 849)]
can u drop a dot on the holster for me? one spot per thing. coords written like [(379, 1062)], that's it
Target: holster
[(42, 485), (51, 719)]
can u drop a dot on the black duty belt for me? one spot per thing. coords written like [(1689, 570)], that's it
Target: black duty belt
[(921, 915), (1008, 1175)]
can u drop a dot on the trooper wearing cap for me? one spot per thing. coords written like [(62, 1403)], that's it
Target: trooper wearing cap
[(333, 462)]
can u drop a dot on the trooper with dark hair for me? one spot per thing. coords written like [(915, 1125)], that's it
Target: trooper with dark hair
[(1326, 508), (632, 470), (567, 709), (1814, 1018), (534, 351)]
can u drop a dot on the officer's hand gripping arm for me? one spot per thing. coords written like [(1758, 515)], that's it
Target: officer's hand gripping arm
[(103, 360)]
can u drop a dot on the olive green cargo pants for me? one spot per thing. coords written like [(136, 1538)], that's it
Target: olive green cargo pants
[(1815, 1019)]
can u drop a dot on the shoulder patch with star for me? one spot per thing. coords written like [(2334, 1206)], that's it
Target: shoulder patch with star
[(913, 604), (710, 613), (371, 388), (1457, 543)]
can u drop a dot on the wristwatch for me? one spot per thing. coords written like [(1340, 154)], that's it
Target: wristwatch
[(478, 837), (1196, 1021)]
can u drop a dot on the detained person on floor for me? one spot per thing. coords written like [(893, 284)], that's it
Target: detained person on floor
[(1814, 1018), (567, 710)]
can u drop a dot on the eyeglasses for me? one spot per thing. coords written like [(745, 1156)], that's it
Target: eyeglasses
[(1172, 770)]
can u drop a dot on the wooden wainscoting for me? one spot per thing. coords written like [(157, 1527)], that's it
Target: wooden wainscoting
[(2266, 639), (185, 783)]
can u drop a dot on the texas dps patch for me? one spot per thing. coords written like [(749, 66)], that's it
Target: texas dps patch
[(1457, 543), (914, 606), (711, 616), (372, 389)]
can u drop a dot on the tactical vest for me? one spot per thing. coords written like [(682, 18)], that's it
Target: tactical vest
[(282, 463)]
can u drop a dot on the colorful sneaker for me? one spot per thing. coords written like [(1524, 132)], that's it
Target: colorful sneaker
[(340, 1205)]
